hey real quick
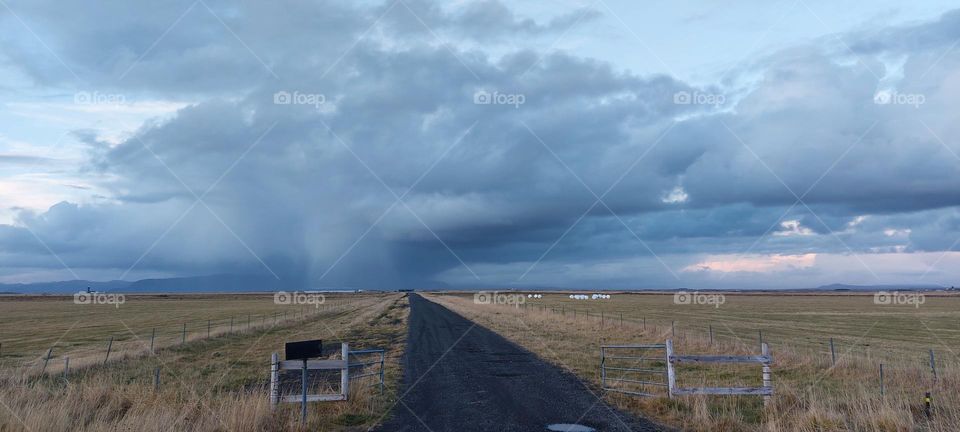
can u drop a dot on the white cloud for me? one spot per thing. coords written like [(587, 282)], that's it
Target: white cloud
[(676, 196)]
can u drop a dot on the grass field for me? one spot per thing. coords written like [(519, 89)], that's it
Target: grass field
[(216, 383), (811, 393)]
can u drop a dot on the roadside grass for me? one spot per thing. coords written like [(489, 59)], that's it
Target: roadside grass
[(810, 393), (218, 384)]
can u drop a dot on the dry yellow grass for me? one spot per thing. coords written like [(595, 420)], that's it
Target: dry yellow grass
[(810, 394), (211, 384)]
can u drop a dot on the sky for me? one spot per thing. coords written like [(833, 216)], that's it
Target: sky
[(482, 143)]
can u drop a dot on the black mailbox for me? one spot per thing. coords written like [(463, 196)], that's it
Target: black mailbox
[(303, 350)]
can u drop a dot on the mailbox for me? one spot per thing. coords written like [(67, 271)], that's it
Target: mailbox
[(303, 350)]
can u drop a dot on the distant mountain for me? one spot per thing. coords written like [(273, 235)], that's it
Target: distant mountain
[(903, 287), (212, 283), (63, 287)]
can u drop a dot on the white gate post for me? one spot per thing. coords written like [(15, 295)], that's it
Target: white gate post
[(671, 376), (274, 380), (345, 372), (765, 350)]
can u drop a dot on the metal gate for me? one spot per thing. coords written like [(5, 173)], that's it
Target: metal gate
[(634, 369)]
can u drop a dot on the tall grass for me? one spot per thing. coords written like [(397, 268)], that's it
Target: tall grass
[(208, 385)]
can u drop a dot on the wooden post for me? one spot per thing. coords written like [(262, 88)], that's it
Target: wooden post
[(760, 335), (671, 375), (183, 338), (710, 326), (46, 360), (382, 358), (109, 347), (603, 369), (345, 372), (833, 353), (274, 380), (765, 350), (66, 366), (881, 379), (933, 366), (156, 379), (152, 336), (601, 319)]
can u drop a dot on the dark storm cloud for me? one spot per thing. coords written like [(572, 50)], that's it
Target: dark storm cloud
[(290, 188)]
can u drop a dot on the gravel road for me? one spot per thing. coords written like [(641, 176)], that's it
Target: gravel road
[(459, 376)]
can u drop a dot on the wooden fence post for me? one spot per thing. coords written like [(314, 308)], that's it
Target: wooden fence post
[(881, 379), (383, 356), (833, 353), (710, 327), (765, 350), (152, 336), (671, 374), (66, 366), (109, 347), (156, 379), (46, 360), (183, 338), (760, 335)]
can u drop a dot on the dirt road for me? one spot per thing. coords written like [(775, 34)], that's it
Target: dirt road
[(459, 376)]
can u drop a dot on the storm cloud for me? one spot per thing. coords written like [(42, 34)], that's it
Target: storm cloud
[(401, 144)]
